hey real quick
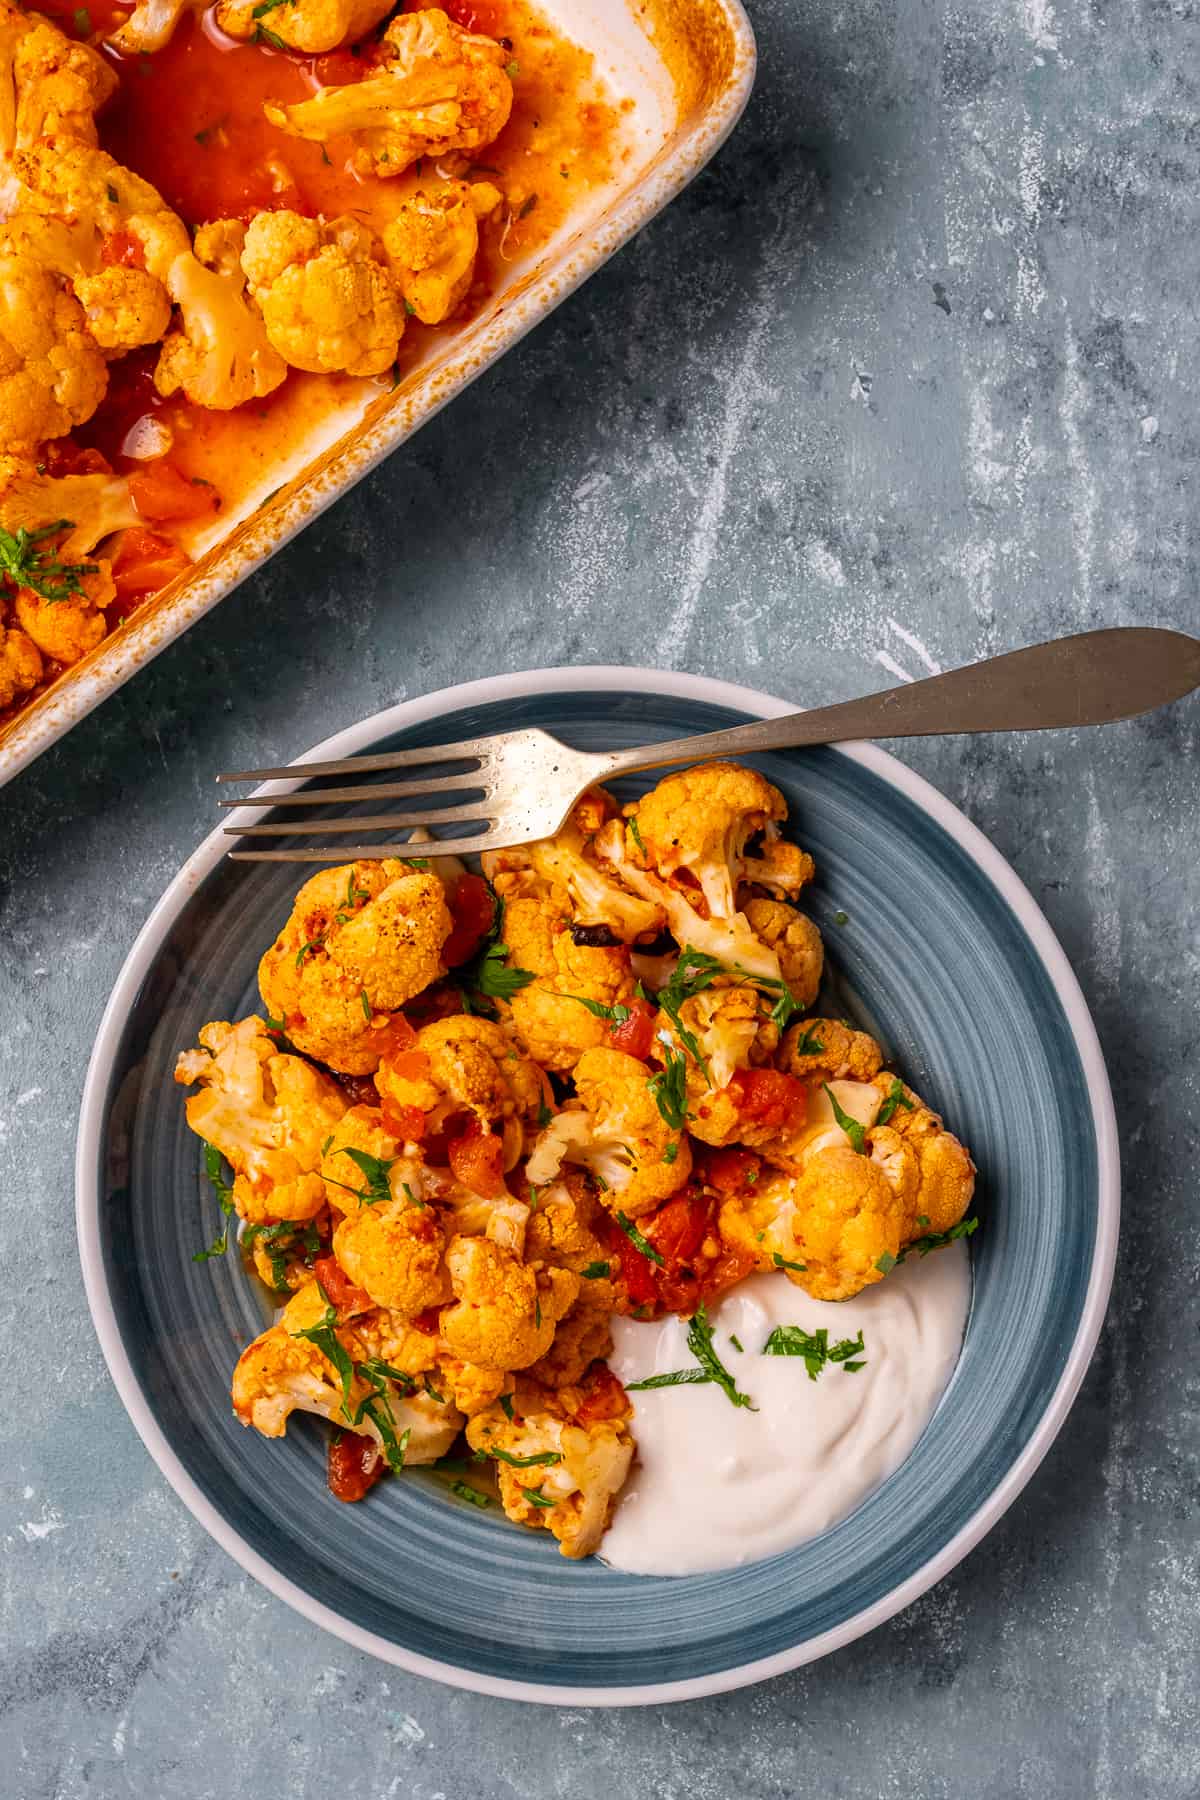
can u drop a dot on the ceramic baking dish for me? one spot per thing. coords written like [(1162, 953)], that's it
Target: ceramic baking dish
[(687, 66)]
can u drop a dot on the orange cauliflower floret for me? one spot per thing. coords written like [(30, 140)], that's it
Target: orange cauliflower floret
[(393, 1250), (87, 198), (432, 243), (598, 902), (731, 1027), (796, 942), (312, 26), (20, 665), (686, 847), (52, 375), (67, 629), (284, 1371), (847, 1225), (922, 1160), (124, 307), (618, 1133), (441, 88), (561, 1230), (326, 299), (361, 940), (361, 1159), (267, 1113), (573, 1448), (466, 1062), (505, 1312), (48, 83), (825, 1050), (151, 25), (583, 1337), (470, 1389), (219, 355), (547, 1013)]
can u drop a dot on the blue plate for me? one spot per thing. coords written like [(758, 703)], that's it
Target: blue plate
[(942, 952)]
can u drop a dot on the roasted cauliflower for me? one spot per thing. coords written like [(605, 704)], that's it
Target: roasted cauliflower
[(393, 1250), (550, 1014), (572, 1448), (440, 88), (617, 1131), (361, 940), (432, 243), (826, 1050), (598, 902), (220, 355), (48, 83), (505, 1311), (921, 1159), (464, 1062), (267, 1113), (20, 665), (52, 374), (796, 942), (326, 299), (311, 26)]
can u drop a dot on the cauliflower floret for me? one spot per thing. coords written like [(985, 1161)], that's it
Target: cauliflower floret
[(48, 83), (326, 299), (617, 1132), (464, 1062), (91, 506), (67, 629), (124, 307), (220, 355), (20, 665), (733, 1031), (694, 827), (583, 1337), (362, 939), (546, 1014), (824, 1050), (98, 200), (267, 1113), (52, 376), (151, 26), (585, 1429), (432, 243), (312, 26), (393, 1250), (796, 942), (441, 89), (926, 1164), (470, 1388), (847, 1224), (598, 902), (362, 1159), (561, 1230), (505, 1311), (280, 1373)]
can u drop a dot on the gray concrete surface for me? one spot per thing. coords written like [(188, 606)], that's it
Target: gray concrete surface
[(910, 375)]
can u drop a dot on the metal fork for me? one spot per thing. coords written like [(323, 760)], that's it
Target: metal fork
[(523, 784)]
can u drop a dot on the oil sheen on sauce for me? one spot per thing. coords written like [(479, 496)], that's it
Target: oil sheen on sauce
[(717, 1485)]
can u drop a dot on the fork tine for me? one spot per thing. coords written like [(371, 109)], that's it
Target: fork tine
[(386, 790), (445, 815), (368, 852), (472, 750)]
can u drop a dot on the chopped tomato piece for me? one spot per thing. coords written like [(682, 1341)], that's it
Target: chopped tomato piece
[(145, 562), (731, 1170), (409, 1065), (355, 1465), (604, 1398), (637, 1271), (404, 1122), (428, 1321), (122, 249), (161, 493), (678, 1229), (472, 908), (343, 1293), (770, 1098), (477, 1160), (634, 1035)]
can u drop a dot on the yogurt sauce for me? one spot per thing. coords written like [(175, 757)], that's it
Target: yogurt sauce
[(716, 1485)]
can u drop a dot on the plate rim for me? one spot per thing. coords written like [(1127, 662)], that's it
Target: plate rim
[(601, 678)]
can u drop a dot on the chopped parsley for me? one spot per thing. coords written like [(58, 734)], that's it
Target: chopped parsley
[(669, 1087), (677, 1378), (506, 1407), (432, 1391), (218, 1247), (737, 1343), (512, 69), (545, 1114), (487, 975), (83, 21), (634, 830), (366, 1004), (266, 6), (937, 1240), (324, 1335), (700, 1343), (314, 944), (896, 1098), (854, 1131), (815, 1348), (886, 1263), (214, 1169), (544, 1459), (377, 1171), (781, 1262), (466, 1492), (597, 1271), (24, 565), (527, 206), (263, 36), (637, 1240), (618, 1014), (809, 1044), (841, 918), (536, 1497)]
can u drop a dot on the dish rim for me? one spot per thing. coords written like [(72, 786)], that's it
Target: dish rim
[(333, 472), (517, 685)]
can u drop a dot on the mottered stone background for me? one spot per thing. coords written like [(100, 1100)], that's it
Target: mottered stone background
[(908, 376)]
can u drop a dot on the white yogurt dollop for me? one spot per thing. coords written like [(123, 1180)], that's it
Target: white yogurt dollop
[(716, 1484)]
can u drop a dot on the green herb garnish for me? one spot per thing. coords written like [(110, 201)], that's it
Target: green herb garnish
[(365, 1003), (25, 566), (736, 1342), (544, 1459), (506, 1406), (83, 21), (669, 1088), (308, 949), (635, 832), (263, 36), (809, 1044), (536, 1497), (377, 1170), (937, 1240), (781, 1262), (886, 1263), (214, 1169), (702, 1347), (677, 1378), (465, 1492), (324, 1336), (618, 1014), (815, 1348), (895, 1099), (854, 1131), (637, 1240), (597, 1271)]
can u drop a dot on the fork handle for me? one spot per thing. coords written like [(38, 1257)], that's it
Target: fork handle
[(1093, 678)]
